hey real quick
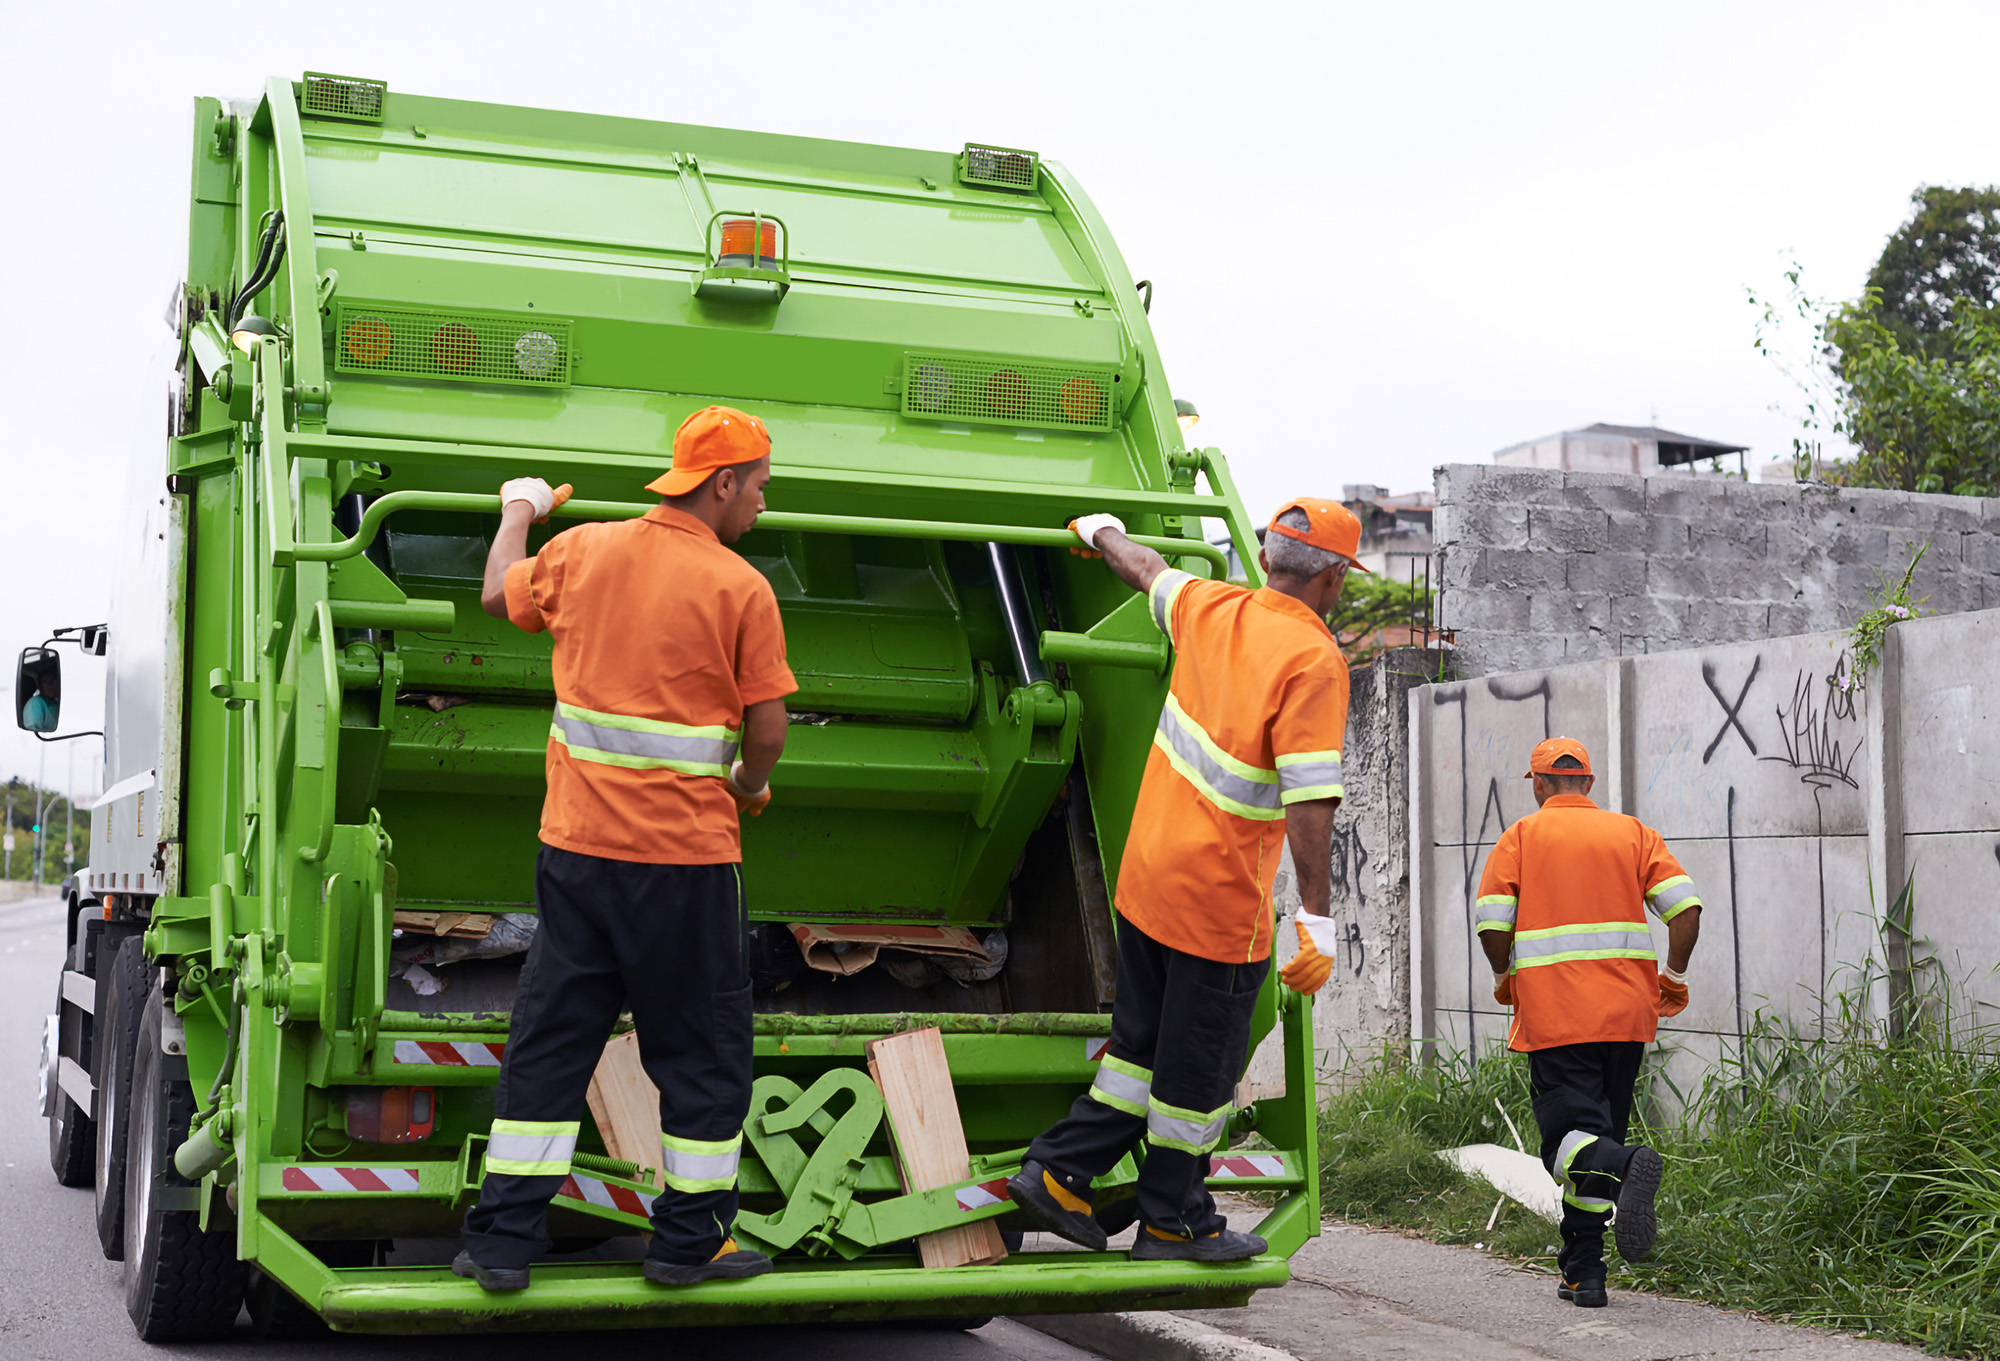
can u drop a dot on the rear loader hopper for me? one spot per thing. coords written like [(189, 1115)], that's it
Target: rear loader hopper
[(395, 302)]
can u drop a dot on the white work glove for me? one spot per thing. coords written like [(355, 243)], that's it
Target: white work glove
[(1088, 527), (748, 800), (537, 493)]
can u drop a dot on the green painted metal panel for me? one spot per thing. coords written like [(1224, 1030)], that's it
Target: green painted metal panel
[(358, 734)]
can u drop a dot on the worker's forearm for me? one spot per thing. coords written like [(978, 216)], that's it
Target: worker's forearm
[(1499, 948), (1309, 831), (510, 545), (764, 727), (1135, 564), (1682, 932)]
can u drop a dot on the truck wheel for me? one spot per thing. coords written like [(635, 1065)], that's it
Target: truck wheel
[(72, 1146), (181, 1284), (117, 1035)]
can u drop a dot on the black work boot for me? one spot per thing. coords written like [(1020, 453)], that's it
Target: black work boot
[(1057, 1203), (1635, 1225), (1581, 1263), (1224, 1245), (491, 1278), (730, 1263), (1585, 1293)]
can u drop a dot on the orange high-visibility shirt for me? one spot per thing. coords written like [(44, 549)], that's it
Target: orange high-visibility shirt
[(662, 638), (1254, 719), (1573, 883)]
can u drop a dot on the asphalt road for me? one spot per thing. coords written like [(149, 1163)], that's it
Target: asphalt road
[(59, 1298)]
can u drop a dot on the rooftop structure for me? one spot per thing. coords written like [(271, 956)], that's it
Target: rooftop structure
[(1601, 448)]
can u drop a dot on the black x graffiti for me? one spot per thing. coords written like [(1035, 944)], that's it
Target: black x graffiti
[(1730, 710)]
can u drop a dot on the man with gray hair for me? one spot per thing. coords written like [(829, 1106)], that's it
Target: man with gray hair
[(1246, 757)]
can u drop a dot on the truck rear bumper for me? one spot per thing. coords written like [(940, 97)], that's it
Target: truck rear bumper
[(615, 1295)]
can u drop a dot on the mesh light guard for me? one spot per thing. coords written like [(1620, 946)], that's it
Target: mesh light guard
[(994, 391), (999, 167), (350, 98), (525, 350)]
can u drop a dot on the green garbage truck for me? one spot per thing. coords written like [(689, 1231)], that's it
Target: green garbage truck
[(274, 1048)]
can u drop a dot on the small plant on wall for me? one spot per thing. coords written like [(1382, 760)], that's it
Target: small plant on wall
[(1891, 608)]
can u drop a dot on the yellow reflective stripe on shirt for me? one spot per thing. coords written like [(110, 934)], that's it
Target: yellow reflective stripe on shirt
[(1215, 775), (643, 743), (1306, 775), (1496, 912), (1165, 590), (1582, 940), (1671, 897)]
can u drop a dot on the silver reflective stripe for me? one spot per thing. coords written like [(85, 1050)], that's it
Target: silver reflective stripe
[(1588, 1204), (530, 1148), (1303, 780), (1188, 1131), (700, 1165), (1572, 1144), (1670, 897), (1595, 940), (1183, 739), (711, 755), (1496, 912), (1166, 588), (1122, 1086)]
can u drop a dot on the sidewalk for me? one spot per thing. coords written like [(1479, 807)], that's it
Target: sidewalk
[(1365, 1294)]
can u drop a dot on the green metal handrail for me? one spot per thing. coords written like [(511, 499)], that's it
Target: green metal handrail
[(865, 525)]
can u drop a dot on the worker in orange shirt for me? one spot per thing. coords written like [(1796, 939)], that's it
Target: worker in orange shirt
[(1562, 918), (670, 678), (1246, 757)]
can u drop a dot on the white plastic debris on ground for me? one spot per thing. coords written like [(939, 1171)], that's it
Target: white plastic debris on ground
[(1520, 1176)]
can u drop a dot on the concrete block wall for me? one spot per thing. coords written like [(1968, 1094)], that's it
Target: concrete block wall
[(1541, 568), (1799, 797)]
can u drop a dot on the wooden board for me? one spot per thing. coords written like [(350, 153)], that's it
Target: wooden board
[(472, 925), (626, 1106), (910, 1069)]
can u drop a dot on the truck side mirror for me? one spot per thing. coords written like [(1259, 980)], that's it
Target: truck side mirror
[(38, 689)]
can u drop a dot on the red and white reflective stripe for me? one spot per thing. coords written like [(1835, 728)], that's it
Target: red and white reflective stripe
[(451, 1053), (350, 1179), (984, 1194), (1250, 1165), (1095, 1047), (594, 1192)]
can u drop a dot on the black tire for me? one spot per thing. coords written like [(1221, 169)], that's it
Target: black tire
[(117, 1036), (181, 1285), (72, 1136), (276, 1312)]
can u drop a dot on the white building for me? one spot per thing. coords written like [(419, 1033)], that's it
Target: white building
[(1601, 448)]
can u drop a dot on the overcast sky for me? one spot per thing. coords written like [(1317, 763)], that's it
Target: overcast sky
[(1385, 236)]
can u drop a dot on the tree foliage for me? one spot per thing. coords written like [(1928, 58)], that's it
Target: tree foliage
[(1946, 255), (1909, 373), (1370, 606)]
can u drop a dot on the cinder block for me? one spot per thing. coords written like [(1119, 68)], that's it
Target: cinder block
[(1761, 500), (1787, 620), (1727, 621), (1730, 539), (1590, 646), (1606, 574), (1788, 545), (1487, 610), (1684, 497), (1699, 578), (1563, 530), (1912, 510), (1979, 551), (1520, 486), (1489, 524), (1860, 543), (1517, 569), (1649, 616), (1568, 613), (1483, 653), (1617, 492)]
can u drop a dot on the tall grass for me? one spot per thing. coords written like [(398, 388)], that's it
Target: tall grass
[(1836, 1179)]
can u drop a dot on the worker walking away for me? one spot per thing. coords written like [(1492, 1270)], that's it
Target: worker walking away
[(1246, 756), (1562, 918), (670, 678)]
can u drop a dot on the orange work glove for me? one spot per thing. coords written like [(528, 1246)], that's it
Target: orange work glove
[(1503, 988), (747, 800), (1309, 969), (1673, 992)]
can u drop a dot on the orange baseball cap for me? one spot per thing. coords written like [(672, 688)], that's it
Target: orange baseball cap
[(1332, 526), (714, 437), (1547, 753)]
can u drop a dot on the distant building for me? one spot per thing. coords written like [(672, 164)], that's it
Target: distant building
[(1395, 530), (1643, 449)]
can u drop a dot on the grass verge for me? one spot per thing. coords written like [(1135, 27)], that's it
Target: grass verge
[(1836, 1181)]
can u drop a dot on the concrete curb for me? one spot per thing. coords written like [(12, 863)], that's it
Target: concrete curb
[(1150, 1337)]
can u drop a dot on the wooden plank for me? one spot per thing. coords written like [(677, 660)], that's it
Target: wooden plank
[(626, 1106), (910, 1069)]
